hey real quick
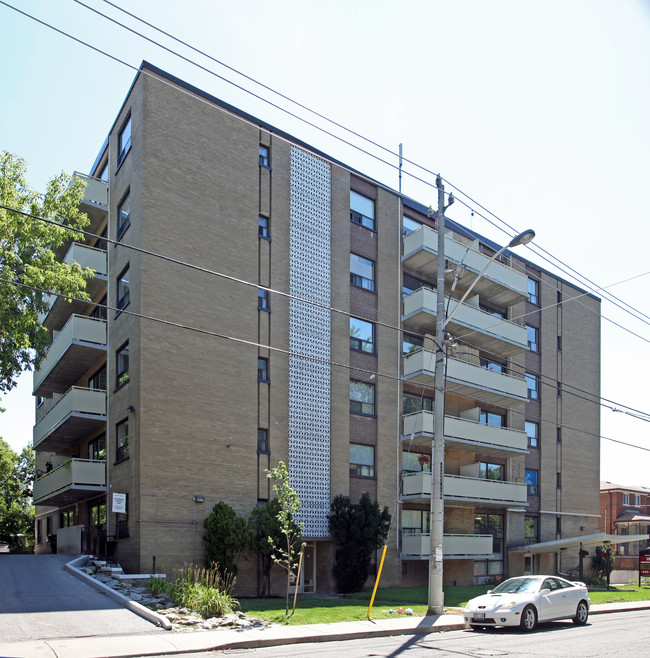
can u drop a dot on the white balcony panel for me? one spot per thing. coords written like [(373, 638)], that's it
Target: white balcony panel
[(480, 328), (77, 346), (471, 490), (499, 284), (76, 414), (467, 434), (418, 546), (467, 379), (71, 482), (89, 258)]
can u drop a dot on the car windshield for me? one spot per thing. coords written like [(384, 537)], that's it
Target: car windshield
[(517, 585)]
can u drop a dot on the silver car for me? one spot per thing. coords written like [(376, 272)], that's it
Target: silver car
[(526, 600)]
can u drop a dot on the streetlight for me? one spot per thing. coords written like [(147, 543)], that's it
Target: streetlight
[(436, 518)]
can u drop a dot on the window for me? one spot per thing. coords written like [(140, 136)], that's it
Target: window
[(99, 312), (558, 480), (559, 389), (122, 440), (97, 448), (636, 500), (412, 283), (265, 157), (123, 289), (97, 381), (415, 521), (362, 272), (411, 343), (490, 418), (409, 225), (124, 140), (559, 299), (558, 435), (263, 227), (531, 482), (532, 381), (263, 441), (488, 471), (413, 403), (362, 460), (533, 291), (362, 210), (103, 173), (122, 365), (490, 524), (362, 398), (411, 462), (490, 363), (558, 525), (101, 241), (532, 432), (66, 519), (531, 530), (124, 215), (626, 499), (263, 370), (97, 516), (533, 338), (263, 300), (362, 336), (493, 311)]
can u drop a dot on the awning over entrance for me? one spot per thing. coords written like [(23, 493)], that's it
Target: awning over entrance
[(574, 544), (632, 517)]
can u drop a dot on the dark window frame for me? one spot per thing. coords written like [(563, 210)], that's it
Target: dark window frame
[(533, 393), (122, 375), (359, 218), (356, 468), (533, 441), (533, 345), (123, 148), (263, 372), (358, 280), (264, 227), (263, 303), (357, 406), (122, 226), (263, 446), (122, 302), (122, 442), (532, 489), (533, 295), (265, 156), (358, 344)]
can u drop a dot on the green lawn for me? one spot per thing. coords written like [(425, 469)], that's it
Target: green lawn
[(312, 610)]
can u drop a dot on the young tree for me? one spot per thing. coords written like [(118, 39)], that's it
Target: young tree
[(16, 509), (26, 258), (290, 547), (226, 538), (357, 530)]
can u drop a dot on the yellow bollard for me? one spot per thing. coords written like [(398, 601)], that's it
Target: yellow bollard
[(374, 591)]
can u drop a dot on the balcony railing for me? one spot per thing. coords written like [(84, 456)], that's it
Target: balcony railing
[(77, 346), (465, 378), (487, 331), (467, 489), (74, 415), (71, 482), (474, 435), (500, 284), (89, 258), (458, 546)]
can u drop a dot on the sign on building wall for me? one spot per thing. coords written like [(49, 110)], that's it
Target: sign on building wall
[(119, 503)]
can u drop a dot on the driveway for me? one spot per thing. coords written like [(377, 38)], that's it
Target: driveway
[(40, 600)]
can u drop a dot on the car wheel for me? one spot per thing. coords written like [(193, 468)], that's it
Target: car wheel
[(582, 613), (528, 619), (476, 627)]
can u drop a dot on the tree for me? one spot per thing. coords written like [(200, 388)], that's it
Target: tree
[(290, 545), (226, 538), (16, 509), (357, 530), (266, 534), (28, 265), (603, 561)]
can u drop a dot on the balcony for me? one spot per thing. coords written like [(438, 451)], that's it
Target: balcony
[(72, 482), (468, 435), (78, 345), (89, 258), (454, 546), (75, 415), (458, 488), (500, 284), (482, 329), (467, 379)]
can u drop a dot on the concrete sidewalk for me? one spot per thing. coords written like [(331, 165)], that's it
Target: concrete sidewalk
[(171, 643)]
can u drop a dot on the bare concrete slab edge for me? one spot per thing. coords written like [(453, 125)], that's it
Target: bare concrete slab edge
[(136, 608)]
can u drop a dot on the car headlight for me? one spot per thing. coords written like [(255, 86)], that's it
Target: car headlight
[(507, 606)]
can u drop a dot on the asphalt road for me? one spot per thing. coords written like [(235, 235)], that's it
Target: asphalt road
[(40, 600)]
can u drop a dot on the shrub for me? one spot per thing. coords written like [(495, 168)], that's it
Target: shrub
[(203, 590), (157, 585)]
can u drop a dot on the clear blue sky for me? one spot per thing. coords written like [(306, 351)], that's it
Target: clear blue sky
[(537, 110)]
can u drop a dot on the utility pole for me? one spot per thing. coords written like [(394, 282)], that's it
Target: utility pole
[(436, 602)]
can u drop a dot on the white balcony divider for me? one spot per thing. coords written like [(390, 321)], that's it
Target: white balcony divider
[(88, 257), (422, 303), (78, 328), (420, 423), (76, 400), (457, 486), (96, 192), (425, 240), (74, 472), (452, 545)]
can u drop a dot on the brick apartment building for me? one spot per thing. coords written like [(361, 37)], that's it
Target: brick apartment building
[(625, 512), (178, 416)]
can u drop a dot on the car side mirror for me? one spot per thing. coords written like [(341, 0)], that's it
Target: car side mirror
[(545, 592), (489, 591)]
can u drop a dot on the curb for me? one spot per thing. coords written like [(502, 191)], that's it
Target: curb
[(134, 607)]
